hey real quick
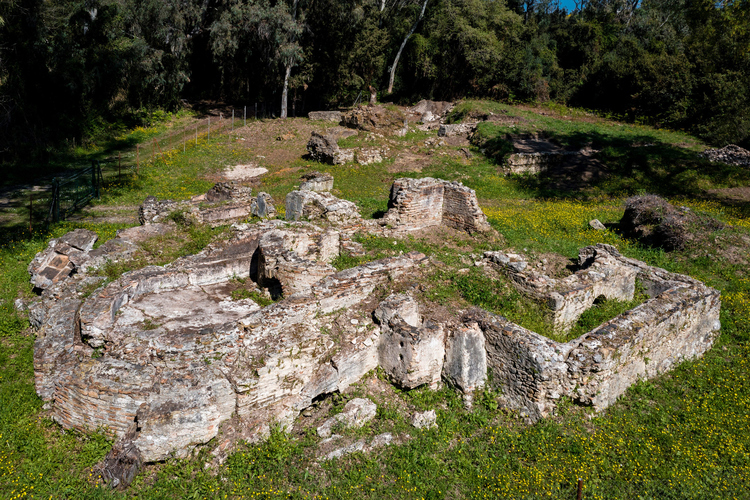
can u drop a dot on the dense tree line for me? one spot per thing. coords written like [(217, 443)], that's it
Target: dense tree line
[(68, 65)]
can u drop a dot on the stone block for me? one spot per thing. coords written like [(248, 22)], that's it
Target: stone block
[(316, 181), (328, 116), (411, 355), (466, 359), (356, 413), (456, 129)]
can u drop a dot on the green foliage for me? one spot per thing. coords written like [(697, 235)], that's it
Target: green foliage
[(258, 298)]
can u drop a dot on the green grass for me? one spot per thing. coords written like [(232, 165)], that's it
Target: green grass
[(683, 435)]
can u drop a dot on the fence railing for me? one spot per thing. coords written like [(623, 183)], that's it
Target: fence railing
[(74, 191)]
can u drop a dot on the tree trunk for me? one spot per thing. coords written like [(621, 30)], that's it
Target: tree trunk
[(403, 44), (285, 89)]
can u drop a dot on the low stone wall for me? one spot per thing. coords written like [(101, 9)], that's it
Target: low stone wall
[(328, 116), (680, 321), (570, 297), (534, 163), (418, 203)]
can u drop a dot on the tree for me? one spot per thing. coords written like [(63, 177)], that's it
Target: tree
[(403, 44)]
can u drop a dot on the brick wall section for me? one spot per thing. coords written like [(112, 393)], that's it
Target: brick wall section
[(461, 209), (418, 203)]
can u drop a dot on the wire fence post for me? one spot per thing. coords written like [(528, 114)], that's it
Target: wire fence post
[(31, 211), (233, 120), (119, 165), (244, 118), (256, 110), (579, 493), (209, 130)]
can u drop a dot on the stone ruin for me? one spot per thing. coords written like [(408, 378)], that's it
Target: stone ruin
[(679, 321), (323, 147), (224, 203), (164, 359), (418, 203), (729, 154)]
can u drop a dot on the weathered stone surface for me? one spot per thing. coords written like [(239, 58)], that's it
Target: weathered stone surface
[(61, 258), (314, 206), (570, 297), (419, 203), (425, 420), (378, 119), (535, 163), (262, 206), (316, 181), (347, 450), (431, 111), (356, 413), (139, 234), (227, 202), (366, 156), (411, 352), (680, 321), (122, 463), (729, 154), (596, 224), (166, 345), (324, 147), (328, 116), (456, 129), (655, 221), (466, 359)]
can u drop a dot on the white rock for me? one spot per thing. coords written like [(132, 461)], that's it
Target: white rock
[(425, 419), (357, 413)]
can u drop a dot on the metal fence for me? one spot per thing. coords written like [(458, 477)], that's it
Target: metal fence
[(72, 192)]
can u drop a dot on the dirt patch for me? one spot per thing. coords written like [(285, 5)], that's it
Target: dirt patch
[(278, 142), (736, 194)]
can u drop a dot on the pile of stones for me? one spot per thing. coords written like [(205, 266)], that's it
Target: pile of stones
[(730, 154)]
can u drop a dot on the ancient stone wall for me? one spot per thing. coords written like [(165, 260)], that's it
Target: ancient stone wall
[(165, 359), (418, 203), (680, 321)]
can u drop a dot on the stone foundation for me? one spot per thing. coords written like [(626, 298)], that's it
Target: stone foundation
[(167, 361), (419, 203), (679, 322), (535, 163)]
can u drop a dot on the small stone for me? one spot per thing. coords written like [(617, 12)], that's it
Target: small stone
[(381, 440), (355, 321), (595, 224), (357, 413), (425, 419)]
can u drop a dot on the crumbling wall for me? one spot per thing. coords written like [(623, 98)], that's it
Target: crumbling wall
[(418, 203), (680, 321)]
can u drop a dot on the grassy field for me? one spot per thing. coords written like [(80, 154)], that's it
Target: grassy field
[(685, 435)]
